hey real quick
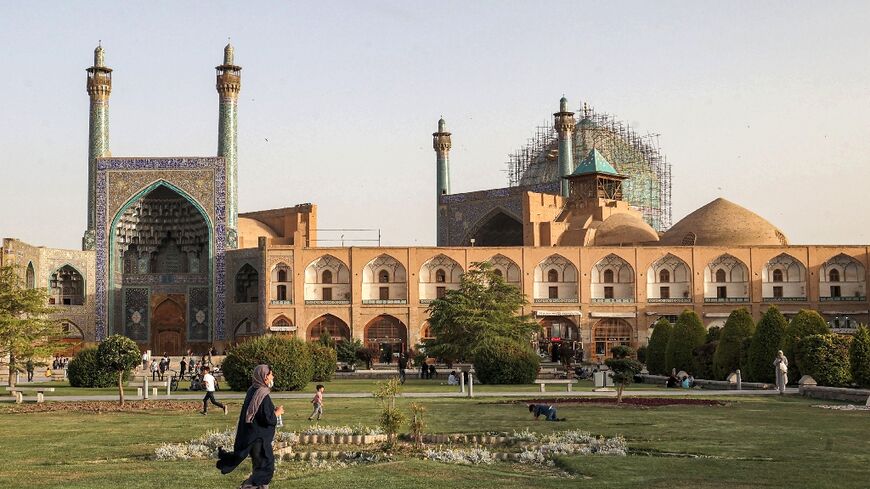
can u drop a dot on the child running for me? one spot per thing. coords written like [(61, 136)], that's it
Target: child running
[(318, 403)]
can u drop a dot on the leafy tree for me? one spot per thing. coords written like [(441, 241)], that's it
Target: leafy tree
[(766, 341), (713, 334), (118, 354), (688, 334), (807, 322), (859, 356), (624, 368), (25, 330), (367, 355), (657, 347), (326, 339), (738, 327), (483, 307), (824, 357), (641, 354), (346, 350)]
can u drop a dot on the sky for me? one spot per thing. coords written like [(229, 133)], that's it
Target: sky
[(766, 104)]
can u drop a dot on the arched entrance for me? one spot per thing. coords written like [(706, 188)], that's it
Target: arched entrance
[(167, 326), (331, 325), (560, 338), (388, 335), (498, 229), (608, 333)]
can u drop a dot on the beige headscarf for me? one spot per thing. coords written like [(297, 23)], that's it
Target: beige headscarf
[(258, 381)]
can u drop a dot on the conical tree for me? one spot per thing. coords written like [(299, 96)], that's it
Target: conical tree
[(657, 347), (806, 323), (859, 357), (766, 341), (689, 333), (738, 327)]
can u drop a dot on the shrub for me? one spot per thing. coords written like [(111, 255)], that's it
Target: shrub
[(323, 360), (289, 358), (766, 341), (391, 417), (859, 356), (807, 322), (346, 351), (729, 351), (505, 361), (702, 360), (713, 334), (658, 344), (641, 354), (84, 370), (688, 334), (824, 357)]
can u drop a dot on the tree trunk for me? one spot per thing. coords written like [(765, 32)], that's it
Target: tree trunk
[(12, 370), (619, 393), (121, 387)]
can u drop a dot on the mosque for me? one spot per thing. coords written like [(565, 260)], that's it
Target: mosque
[(583, 229)]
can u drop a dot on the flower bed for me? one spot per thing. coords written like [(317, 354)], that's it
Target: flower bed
[(627, 401)]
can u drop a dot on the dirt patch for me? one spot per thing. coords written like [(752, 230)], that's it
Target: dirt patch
[(626, 401), (99, 407)]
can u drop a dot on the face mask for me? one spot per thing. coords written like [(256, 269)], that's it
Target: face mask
[(271, 383)]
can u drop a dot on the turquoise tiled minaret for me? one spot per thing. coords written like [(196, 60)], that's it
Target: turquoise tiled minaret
[(564, 125), (441, 144), (99, 86), (229, 83)]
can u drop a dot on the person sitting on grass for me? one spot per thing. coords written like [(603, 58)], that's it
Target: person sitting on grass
[(453, 379), (545, 410)]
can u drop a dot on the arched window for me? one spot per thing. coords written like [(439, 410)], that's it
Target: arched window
[(282, 275), (552, 275), (720, 275), (30, 277), (664, 276), (777, 275), (333, 326), (834, 276), (327, 277), (282, 293), (67, 287), (384, 277), (247, 287), (608, 276), (440, 276)]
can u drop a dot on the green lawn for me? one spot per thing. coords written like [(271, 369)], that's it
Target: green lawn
[(750, 442)]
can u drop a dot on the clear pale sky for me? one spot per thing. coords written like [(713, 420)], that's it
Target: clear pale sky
[(765, 104)]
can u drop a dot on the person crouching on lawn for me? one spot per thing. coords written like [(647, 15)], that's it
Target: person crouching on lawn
[(545, 410)]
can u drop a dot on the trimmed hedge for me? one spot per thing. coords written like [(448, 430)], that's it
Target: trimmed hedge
[(290, 359), (505, 361), (807, 322), (766, 341), (702, 360), (738, 327), (688, 334), (84, 370), (859, 356), (824, 357), (323, 362), (657, 346)]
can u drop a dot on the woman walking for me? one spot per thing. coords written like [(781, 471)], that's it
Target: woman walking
[(255, 432)]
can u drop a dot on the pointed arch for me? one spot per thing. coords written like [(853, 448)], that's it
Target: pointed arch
[(555, 280), (327, 281), (281, 283), (612, 280), (507, 268), (499, 227), (337, 329), (438, 275), (726, 279), (30, 276), (66, 286), (384, 281), (387, 334), (247, 284), (610, 332), (668, 279), (842, 278), (784, 278)]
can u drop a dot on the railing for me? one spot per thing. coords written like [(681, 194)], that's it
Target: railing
[(784, 299), (547, 300), (724, 300), (280, 303), (613, 300), (853, 298), (669, 300), (371, 302), (326, 303)]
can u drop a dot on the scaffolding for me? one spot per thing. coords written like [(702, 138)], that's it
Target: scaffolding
[(639, 157)]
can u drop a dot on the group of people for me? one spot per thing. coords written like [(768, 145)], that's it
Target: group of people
[(59, 363), (685, 381)]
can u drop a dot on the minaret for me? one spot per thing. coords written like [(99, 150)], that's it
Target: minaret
[(99, 87), (441, 144), (563, 121), (229, 83)]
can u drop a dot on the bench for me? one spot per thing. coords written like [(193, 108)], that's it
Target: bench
[(18, 392), (543, 383), (142, 387)]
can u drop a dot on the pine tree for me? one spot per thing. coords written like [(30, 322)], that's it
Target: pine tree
[(806, 323), (657, 347), (766, 341), (689, 333), (738, 327)]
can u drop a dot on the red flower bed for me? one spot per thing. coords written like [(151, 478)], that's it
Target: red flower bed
[(630, 401), (106, 406)]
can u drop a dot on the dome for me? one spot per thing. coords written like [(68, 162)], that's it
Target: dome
[(723, 223), (250, 230), (624, 229)]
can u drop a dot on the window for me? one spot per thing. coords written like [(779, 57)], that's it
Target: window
[(777, 275), (720, 276), (608, 292), (721, 292), (247, 281), (777, 292), (30, 277), (835, 291), (664, 276), (552, 276), (834, 277), (282, 293), (384, 277), (608, 276), (327, 293), (282, 275), (664, 292), (67, 287), (440, 292), (384, 293), (327, 277), (553, 292), (440, 276)]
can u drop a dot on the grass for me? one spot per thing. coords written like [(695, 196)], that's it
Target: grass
[(750, 442)]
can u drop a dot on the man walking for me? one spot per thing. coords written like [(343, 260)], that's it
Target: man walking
[(403, 365), (209, 383), (29, 367), (183, 367)]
